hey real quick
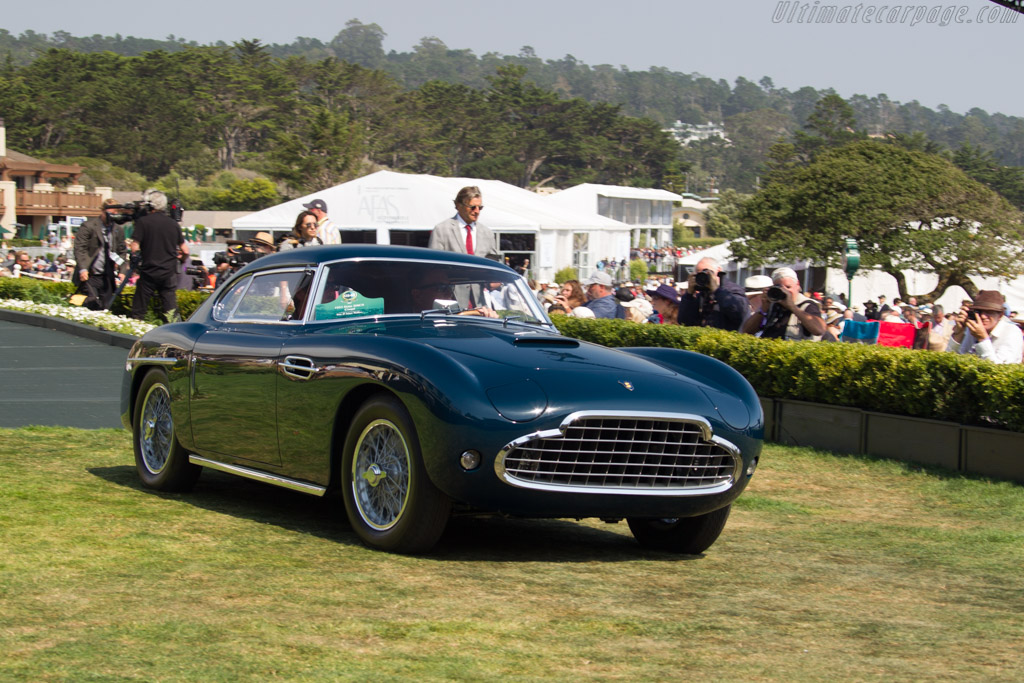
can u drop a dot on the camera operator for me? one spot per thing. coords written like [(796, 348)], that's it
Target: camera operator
[(192, 274), (785, 313), (100, 253), (240, 253), (712, 301), (156, 239)]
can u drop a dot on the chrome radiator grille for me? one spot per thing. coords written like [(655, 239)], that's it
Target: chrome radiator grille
[(645, 453)]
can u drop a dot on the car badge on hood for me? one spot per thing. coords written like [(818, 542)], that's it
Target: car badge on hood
[(628, 385)]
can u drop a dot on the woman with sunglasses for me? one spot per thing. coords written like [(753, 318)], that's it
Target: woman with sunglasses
[(304, 234)]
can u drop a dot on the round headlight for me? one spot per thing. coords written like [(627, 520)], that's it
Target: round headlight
[(469, 460)]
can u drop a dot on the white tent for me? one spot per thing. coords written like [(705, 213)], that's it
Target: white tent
[(388, 204)]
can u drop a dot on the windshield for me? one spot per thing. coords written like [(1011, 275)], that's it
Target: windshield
[(372, 287)]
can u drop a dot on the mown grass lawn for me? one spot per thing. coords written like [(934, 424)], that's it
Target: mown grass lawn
[(829, 568)]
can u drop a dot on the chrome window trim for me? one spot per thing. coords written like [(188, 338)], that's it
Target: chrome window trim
[(246, 282), (321, 279), (231, 319), (696, 420)]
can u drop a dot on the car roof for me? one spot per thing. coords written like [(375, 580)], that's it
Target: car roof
[(314, 255)]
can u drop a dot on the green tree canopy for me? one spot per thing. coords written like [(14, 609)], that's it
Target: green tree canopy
[(907, 210)]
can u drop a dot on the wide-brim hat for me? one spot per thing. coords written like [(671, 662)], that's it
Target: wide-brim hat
[(623, 294), (263, 239), (989, 300), (665, 292), (755, 284)]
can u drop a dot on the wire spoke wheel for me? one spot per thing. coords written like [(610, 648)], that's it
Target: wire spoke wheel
[(160, 460), (380, 474), (389, 498), (157, 437)]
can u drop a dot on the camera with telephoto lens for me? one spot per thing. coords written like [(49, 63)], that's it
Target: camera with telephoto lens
[(703, 279), (133, 211), (776, 293), (236, 257)]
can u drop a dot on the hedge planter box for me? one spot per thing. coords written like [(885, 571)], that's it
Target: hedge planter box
[(960, 448), (993, 453), (834, 428), (768, 408), (910, 439)]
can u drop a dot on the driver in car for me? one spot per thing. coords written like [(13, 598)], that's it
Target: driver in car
[(432, 285)]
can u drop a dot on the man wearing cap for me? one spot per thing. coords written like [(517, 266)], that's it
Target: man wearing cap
[(157, 238), (462, 233), (794, 316), (601, 296), (100, 252), (982, 330), (325, 228), (712, 301)]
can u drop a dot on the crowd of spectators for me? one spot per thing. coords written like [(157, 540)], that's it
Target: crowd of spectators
[(775, 307)]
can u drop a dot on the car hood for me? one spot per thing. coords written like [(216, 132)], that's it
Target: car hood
[(528, 371), (521, 347)]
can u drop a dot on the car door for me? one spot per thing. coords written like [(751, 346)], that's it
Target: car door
[(234, 397)]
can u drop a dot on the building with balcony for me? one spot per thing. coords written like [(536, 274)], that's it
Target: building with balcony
[(646, 211), (685, 133), (35, 194)]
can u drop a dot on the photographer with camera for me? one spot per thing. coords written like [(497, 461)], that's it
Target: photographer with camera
[(982, 329), (100, 253), (156, 240), (240, 253), (785, 313), (712, 301)]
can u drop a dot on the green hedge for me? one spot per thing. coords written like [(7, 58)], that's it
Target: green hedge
[(941, 386), (54, 292)]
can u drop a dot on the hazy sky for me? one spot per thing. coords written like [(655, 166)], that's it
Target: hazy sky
[(908, 56)]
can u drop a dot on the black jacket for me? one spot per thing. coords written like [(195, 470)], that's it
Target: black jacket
[(726, 309)]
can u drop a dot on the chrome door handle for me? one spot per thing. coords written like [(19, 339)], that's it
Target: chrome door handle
[(298, 367)]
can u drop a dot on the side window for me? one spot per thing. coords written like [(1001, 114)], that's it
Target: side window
[(272, 297), (347, 292), (222, 309)]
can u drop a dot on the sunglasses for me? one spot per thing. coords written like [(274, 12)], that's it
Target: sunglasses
[(474, 208), (309, 225)]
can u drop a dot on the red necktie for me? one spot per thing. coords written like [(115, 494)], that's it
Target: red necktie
[(469, 239)]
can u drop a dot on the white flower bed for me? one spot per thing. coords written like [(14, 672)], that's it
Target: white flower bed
[(104, 321)]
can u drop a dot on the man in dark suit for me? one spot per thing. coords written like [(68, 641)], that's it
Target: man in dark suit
[(100, 253), (462, 234)]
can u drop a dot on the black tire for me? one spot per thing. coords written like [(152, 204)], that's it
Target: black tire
[(688, 535), (390, 501), (160, 460)]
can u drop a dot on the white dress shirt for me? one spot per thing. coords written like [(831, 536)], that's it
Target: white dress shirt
[(1004, 344)]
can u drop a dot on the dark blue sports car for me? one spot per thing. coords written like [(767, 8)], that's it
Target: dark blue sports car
[(419, 383)]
